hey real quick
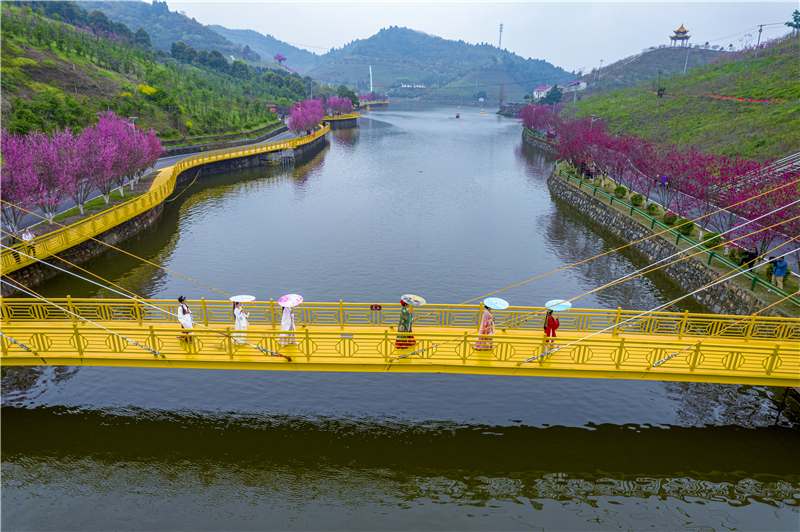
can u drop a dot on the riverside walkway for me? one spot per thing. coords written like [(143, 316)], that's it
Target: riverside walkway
[(163, 185), (360, 337)]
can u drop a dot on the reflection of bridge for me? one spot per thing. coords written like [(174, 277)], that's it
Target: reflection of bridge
[(352, 337), (343, 116), (51, 243)]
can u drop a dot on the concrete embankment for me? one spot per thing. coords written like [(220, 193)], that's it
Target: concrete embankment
[(724, 298)]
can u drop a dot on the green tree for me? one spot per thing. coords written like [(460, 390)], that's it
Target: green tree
[(98, 19), (177, 49), (552, 96), (240, 70), (795, 23), (142, 39)]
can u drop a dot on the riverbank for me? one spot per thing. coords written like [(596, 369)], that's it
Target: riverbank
[(738, 295)]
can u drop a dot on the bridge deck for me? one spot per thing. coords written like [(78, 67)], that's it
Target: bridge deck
[(372, 348)]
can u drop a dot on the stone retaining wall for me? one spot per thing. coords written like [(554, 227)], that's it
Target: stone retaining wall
[(724, 298), (532, 140), (347, 123), (222, 145)]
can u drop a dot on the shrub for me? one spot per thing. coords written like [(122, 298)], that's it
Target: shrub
[(686, 226), (670, 217), (620, 191), (768, 273), (711, 239), (637, 199), (652, 209)]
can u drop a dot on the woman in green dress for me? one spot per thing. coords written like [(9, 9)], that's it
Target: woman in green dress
[(404, 341)]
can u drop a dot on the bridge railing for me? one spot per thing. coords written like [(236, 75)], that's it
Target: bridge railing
[(460, 317), (352, 350), (712, 255), (74, 234), (345, 116)]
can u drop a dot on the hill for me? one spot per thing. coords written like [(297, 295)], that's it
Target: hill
[(400, 55), (643, 67), (56, 75), (267, 46), (710, 107), (164, 26)]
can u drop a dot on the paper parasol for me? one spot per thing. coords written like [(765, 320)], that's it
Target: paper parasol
[(413, 300), (290, 300), (558, 305), (243, 299), (495, 303)]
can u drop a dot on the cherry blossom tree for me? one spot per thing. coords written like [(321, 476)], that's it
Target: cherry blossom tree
[(51, 158), (17, 180), (305, 115), (279, 58)]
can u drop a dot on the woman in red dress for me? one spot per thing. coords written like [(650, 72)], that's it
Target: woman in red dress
[(550, 326)]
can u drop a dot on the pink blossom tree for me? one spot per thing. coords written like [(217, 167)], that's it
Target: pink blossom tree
[(109, 128), (51, 154), (305, 115), (279, 58), (17, 180)]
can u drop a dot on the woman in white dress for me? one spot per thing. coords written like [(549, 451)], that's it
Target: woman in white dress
[(240, 322), (185, 317), (287, 324)]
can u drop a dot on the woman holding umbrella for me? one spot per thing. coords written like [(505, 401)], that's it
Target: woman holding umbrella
[(487, 322), (551, 323), (287, 318), (404, 341)]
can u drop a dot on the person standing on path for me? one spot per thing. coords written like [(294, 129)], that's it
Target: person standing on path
[(487, 327), (779, 271), (749, 258), (28, 237), (550, 326), (240, 322), (185, 317), (406, 318)]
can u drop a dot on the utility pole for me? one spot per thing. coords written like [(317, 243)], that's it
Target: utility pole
[(599, 76), (658, 86), (760, 27), (688, 49)]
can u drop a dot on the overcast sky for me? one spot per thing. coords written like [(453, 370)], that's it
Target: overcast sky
[(568, 34)]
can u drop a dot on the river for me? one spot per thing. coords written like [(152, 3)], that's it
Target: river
[(414, 200)]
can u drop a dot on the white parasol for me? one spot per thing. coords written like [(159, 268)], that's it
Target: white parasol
[(558, 305), (414, 301), (243, 299), (495, 303), (290, 300)]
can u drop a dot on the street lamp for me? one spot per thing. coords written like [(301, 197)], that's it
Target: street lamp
[(592, 122), (132, 121)]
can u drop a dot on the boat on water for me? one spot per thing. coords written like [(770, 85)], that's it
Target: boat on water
[(458, 115), (482, 112)]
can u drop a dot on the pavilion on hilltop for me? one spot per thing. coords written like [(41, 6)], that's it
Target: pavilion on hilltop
[(681, 37)]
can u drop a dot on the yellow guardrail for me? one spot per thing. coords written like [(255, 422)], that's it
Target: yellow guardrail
[(347, 116), (716, 360), (217, 313), (72, 235)]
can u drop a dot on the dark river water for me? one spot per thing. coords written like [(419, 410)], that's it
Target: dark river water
[(416, 201)]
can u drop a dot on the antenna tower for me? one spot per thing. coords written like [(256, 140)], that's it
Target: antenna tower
[(500, 43)]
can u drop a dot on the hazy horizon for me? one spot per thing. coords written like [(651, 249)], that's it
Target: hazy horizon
[(571, 35)]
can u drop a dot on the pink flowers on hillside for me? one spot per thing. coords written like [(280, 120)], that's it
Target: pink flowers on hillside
[(41, 170)]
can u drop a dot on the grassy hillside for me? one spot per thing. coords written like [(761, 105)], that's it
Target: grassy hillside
[(684, 116), (164, 26), (57, 76), (643, 68), (267, 45)]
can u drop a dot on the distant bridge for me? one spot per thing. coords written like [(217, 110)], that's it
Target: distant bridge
[(359, 337)]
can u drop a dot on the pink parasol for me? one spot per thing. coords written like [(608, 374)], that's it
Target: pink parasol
[(290, 300)]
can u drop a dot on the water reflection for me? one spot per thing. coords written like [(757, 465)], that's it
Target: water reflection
[(628, 477)]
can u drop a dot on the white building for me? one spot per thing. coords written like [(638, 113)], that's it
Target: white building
[(539, 92), (572, 86)]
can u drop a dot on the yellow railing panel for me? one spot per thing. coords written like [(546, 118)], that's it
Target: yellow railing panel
[(716, 360)]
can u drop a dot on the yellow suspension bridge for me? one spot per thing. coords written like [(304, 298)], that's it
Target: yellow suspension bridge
[(360, 337)]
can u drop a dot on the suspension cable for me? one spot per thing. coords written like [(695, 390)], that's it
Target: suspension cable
[(657, 308), (147, 303), (123, 251), (37, 296)]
